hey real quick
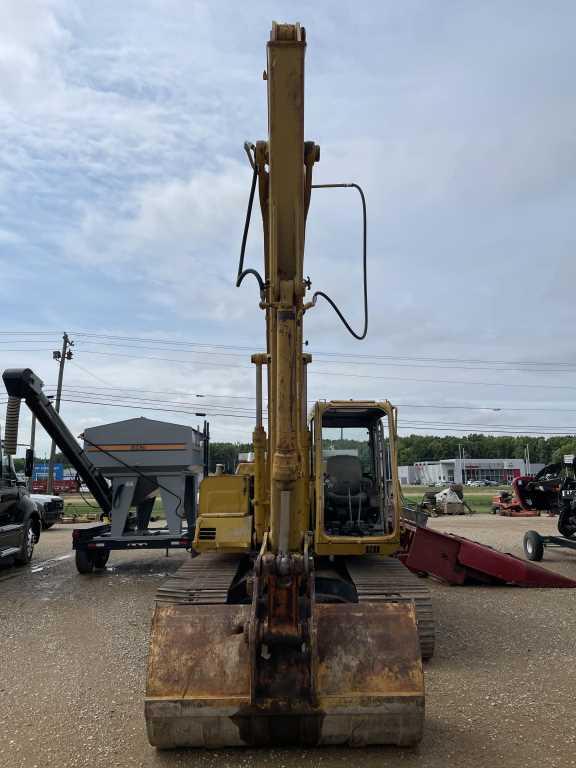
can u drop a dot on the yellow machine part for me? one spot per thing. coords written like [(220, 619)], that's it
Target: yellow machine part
[(324, 544), (224, 521), (369, 686), (284, 670), (245, 468)]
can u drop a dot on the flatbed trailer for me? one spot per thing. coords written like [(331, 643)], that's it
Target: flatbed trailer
[(553, 488), (94, 541), (534, 544)]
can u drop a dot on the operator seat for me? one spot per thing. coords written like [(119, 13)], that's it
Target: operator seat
[(344, 485)]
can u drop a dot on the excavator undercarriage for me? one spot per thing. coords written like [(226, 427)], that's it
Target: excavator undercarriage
[(318, 647), (219, 677)]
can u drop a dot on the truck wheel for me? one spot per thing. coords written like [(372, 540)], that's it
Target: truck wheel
[(27, 549), (495, 510), (533, 546), (101, 558), (84, 561)]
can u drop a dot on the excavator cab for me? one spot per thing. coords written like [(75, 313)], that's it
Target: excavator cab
[(354, 453)]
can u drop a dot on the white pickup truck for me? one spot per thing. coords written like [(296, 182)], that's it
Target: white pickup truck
[(50, 508)]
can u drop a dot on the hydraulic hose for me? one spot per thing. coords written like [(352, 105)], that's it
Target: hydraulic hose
[(332, 303), (242, 273)]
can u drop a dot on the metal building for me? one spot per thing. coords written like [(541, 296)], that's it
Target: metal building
[(463, 470)]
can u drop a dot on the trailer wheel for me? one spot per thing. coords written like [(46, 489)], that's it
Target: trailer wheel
[(84, 561), (533, 546), (100, 558)]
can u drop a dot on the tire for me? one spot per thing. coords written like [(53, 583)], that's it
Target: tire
[(46, 526), (495, 510), (100, 558), (28, 541), (533, 546), (84, 561)]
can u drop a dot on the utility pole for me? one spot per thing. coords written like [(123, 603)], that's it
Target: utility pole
[(60, 357), (528, 468)]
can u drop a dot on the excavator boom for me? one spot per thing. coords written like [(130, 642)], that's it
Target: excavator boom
[(242, 652)]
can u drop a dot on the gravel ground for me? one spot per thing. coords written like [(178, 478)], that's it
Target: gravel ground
[(500, 689)]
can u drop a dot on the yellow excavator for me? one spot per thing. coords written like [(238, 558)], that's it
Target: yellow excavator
[(293, 623)]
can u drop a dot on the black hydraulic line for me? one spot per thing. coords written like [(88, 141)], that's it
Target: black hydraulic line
[(242, 273), (362, 335), (78, 480), (24, 384), (206, 449)]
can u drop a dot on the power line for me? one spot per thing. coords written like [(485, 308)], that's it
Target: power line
[(236, 409), (88, 337), (505, 428), (337, 354), (90, 373), (43, 349), (345, 359), (317, 372), (163, 392), (520, 430), (206, 404), (162, 401), (484, 426), (352, 359), (400, 404), (155, 408)]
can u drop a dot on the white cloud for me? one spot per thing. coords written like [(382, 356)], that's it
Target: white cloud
[(6, 236), (120, 141), (180, 237)]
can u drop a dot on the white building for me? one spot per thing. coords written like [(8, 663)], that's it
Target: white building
[(462, 470), (408, 475)]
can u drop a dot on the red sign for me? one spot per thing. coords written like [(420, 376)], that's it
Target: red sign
[(58, 486)]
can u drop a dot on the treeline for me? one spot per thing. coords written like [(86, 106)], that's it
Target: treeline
[(415, 448), (476, 446), (220, 453), (227, 454)]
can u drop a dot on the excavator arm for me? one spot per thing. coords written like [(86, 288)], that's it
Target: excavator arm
[(267, 664)]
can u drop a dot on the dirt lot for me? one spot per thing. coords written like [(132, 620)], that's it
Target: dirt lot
[(500, 690)]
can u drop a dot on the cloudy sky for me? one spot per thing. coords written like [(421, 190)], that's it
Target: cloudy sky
[(123, 188)]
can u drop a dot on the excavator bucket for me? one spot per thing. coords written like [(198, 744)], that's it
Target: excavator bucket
[(369, 686)]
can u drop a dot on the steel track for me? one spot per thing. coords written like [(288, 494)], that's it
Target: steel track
[(385, 578), (203, 580), (206, 579)]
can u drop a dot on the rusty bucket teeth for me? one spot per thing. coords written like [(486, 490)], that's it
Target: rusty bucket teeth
[(369, 680)]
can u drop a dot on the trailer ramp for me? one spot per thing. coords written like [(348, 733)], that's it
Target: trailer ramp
[(456, 560)]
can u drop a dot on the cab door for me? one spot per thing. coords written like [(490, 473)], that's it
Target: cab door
[(10, 523)]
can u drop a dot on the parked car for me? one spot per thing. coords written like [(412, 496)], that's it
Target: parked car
[(50, 508), (20, 522)]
